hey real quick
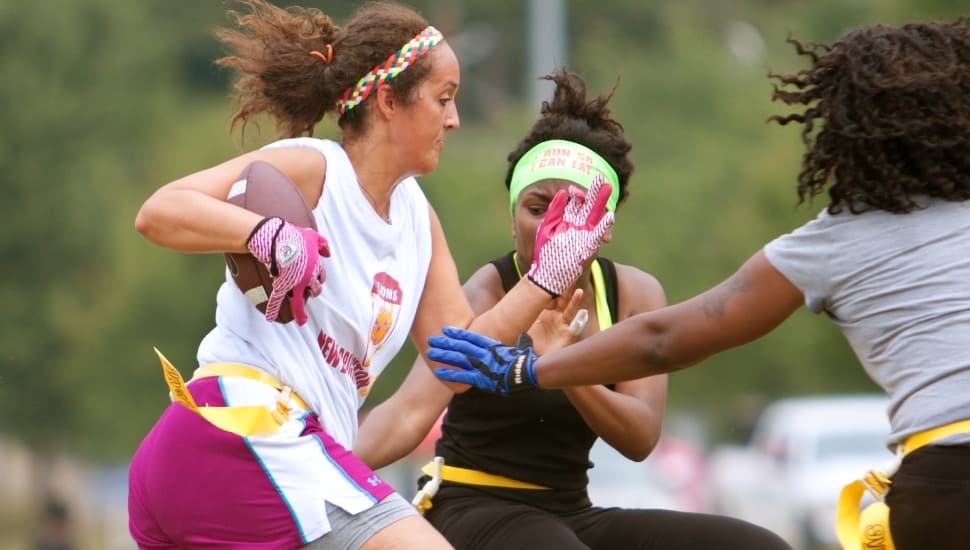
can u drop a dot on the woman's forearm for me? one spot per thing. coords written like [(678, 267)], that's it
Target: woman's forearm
[(191, 221), (628, 424), (744, 307), (513, 314), (397, 426), (388, 434), (635, 348)]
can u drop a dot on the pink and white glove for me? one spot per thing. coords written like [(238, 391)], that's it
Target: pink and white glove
[(292, 255), (569, 235)]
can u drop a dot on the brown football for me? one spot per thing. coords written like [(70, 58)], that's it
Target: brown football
[(263, 189)]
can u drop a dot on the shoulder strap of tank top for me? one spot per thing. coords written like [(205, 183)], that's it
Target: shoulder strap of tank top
[(605, 285), (508, 271)]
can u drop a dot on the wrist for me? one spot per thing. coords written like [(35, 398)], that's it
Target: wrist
[(519, 376), (532, 372), (261, 242), (259, 226), (535, 283)]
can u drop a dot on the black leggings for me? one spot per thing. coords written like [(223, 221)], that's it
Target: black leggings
[(929, 500), (471, 520)]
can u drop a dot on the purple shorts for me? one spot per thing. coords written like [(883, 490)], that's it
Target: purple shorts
[(192, 485)]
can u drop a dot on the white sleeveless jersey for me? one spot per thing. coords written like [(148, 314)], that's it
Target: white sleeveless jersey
[(375, 277)]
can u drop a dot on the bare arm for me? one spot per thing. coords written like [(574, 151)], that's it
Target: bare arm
[(383, 438), (444, 303), (191, 214), (397, 425), (746, 306), (630, 417)]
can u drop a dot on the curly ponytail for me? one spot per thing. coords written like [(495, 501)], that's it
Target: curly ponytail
[(278, 75), (573, 117)]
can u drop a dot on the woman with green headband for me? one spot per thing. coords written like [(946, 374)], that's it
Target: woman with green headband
[(254, 451), (884, 115), (514, 473)]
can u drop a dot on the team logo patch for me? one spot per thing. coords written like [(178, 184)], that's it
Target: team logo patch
[(286, 252), (386, 299)]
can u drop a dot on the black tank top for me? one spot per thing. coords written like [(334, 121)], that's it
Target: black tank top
[(535, 435)]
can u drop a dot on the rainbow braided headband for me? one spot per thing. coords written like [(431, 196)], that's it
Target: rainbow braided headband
[(395, 65)]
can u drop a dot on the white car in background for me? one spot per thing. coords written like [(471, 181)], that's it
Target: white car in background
[(803, 450), (673, 477)]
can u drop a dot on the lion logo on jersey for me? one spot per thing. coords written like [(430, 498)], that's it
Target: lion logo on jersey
[(385, 306)]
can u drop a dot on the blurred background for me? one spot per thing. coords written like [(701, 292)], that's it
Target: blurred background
[(102, 101)]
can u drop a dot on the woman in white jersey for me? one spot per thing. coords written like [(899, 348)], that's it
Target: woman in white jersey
[(254, 452), (886, 121)]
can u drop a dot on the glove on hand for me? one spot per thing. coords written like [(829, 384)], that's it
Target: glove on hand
[(486, 364), (570, 234), (292, 255)]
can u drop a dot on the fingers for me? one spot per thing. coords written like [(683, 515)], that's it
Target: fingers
[(602, 227), (554, 215), (298, 307), (460, 376), (572, 306), (605, 224), (600, 191), (596, 184), (474, 338), (575, 210), (313, 240), (561, 303), (446, 344), (321, 278), (453, 358), (314, 288), (274, 302), (579, 323), (323, 247)]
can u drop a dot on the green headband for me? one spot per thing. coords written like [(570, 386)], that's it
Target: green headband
[(562, 160)]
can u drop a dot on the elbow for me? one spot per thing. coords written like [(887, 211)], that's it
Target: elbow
[(637, 455), (637, 451), (642, 448), (142, 222), (659, 348), (147, 221), (653, 345), (638, 439)]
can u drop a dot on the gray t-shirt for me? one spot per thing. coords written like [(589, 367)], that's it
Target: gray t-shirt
[(898, 287)]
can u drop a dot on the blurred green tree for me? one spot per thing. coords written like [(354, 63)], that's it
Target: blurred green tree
[(102, 102)]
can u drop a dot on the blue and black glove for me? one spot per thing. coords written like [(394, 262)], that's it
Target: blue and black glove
[(485, 363)]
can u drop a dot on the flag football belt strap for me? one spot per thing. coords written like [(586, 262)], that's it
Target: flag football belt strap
[(440, 472), (468, 476), (244, 371), (244, 420), (422, 499), (870, 527)]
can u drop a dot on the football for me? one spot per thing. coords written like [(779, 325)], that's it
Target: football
[(263, 189)]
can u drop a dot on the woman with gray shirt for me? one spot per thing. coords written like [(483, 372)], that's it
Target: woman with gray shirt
[(885, 115)]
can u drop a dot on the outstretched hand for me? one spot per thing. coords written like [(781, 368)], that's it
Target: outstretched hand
[(484, 363), (570, 234), (560, 324)]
